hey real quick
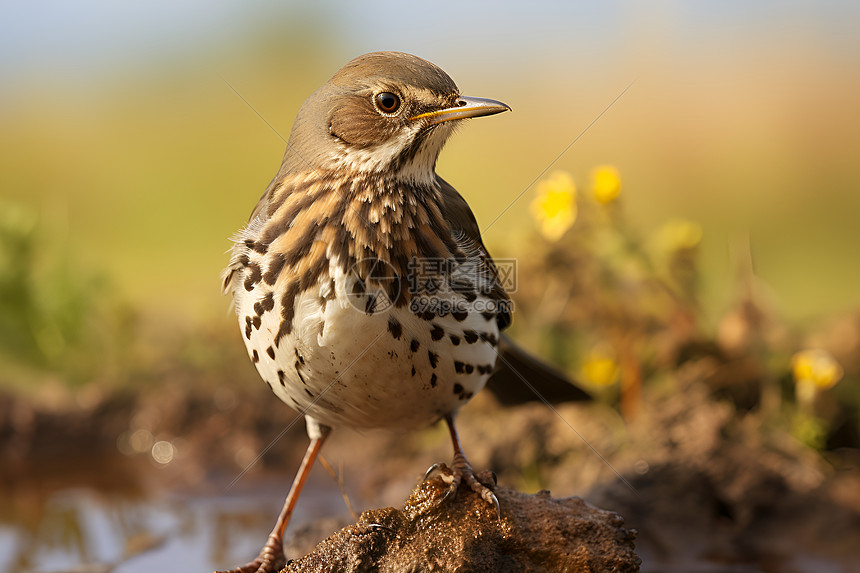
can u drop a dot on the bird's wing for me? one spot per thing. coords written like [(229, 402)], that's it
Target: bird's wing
[(463, 223), (519, 376), (261, 208), (257, 219)]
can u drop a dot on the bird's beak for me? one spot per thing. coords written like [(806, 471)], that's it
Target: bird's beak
[(466, 107)]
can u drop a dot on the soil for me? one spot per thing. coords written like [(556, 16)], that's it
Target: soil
[(533, 533), (708, 487)]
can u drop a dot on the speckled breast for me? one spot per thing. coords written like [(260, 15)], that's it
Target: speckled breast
[(354, 358)]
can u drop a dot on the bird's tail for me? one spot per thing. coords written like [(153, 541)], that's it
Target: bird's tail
[(520, 377)]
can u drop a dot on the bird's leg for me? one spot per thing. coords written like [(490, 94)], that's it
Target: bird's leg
[(463, 470), (271, 558)]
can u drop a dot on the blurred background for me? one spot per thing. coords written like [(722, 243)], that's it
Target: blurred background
[(678, 181)]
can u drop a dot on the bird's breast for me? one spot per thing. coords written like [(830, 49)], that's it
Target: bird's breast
[(358, 305), (353, 358)]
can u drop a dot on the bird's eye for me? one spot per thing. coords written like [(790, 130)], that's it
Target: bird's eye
[(387, 102)]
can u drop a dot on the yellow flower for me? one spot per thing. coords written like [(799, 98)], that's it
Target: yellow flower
[(680, 235), (816, 367), (600, 369), (606, 183), (554, 208)]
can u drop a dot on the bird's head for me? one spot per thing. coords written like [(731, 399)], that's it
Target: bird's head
[(386, 113)]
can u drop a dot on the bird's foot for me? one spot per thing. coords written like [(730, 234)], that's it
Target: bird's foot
[(270, 560), (462, 471)]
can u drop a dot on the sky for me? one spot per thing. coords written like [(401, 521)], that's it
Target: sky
[(85, 36)]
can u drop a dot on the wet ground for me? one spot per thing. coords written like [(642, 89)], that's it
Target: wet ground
[(155, 481), (134, 526), (82, 530)]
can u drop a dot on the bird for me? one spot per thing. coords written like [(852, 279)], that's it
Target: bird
[(364, 293)]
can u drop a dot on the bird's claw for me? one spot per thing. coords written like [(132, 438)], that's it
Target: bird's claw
[(486, 493), (495, 501), (258, 565), (430, 470), (462, 470), (270, 560), (449, 493), (376, 527)]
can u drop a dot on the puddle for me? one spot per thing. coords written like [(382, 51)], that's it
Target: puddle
[(84, 530)]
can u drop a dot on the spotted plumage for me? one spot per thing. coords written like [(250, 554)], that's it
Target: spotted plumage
[(365, 295), (316, 239)]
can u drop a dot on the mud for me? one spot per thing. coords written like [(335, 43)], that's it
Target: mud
[(533, 533)]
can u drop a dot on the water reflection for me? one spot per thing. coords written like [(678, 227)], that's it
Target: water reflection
[(125, 527)]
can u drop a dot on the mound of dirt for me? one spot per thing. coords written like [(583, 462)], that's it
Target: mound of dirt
[(534, 533)]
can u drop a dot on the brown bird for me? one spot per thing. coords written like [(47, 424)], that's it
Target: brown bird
[(365, 295)]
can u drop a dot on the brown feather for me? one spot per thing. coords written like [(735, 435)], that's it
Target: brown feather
[(520, 377)]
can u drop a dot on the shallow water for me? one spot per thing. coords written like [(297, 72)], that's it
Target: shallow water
[(120, 516), (84, 530)]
